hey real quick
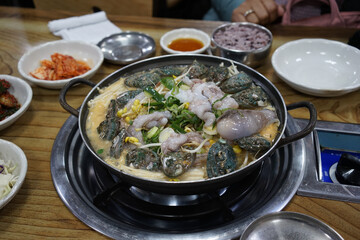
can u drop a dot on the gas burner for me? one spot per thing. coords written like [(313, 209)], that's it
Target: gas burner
[(120, 211), (106, 179), (169, 206)]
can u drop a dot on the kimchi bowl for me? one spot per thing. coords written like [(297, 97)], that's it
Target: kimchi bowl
[(53, 64)]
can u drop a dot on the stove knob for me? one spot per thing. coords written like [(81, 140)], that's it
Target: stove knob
[(348, 170)]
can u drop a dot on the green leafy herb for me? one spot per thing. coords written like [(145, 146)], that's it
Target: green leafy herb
[(171, 100), (177, 127), (168, 82), (181, 117), (185, 117)]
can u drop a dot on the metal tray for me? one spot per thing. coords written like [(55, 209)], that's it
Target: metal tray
[(312, 184)]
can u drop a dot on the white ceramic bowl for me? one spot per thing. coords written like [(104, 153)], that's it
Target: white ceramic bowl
[(170, 36), (318, 67), (10, 151), (22, 91), (87, 52)]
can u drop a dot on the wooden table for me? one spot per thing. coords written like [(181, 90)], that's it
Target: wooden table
[(37, 212)]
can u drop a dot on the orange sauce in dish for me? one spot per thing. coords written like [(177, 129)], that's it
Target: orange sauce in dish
[(185, 44)]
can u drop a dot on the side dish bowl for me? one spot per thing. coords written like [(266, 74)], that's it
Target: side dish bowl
[(318, 67), (286, 225), (244, 42), (79, 50), (127, 47), (180, 33), (11, 152), (22, 91)]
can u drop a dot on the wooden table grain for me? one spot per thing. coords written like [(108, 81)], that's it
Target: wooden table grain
[(37, 212)]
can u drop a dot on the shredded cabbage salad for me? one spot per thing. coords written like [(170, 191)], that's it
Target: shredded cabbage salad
[(7, 179)]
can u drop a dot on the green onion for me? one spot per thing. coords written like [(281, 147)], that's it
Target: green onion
[(220, 99), (155, 106), (154, 94), (151, 136), (177, 127), (171, 101), (152, 132)]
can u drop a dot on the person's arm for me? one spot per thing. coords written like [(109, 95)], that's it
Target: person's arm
[(257, 11), (224, 8)]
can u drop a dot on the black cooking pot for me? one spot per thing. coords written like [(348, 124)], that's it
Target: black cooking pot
[(200, 186)]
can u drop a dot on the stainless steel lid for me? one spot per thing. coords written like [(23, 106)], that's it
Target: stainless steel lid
[(288, 225)]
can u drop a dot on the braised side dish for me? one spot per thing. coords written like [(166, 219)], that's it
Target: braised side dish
[(182, 123), (60, 67), (8, 103)]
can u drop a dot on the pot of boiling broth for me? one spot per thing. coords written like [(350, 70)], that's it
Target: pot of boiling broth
[(184, 124)]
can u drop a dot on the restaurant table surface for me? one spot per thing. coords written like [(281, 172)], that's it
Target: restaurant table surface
[(37, 212)]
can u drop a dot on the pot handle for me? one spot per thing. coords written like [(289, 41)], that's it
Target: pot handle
[(66, 88), (309, 127)]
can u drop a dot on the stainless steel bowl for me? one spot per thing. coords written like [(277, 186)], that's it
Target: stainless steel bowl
[(289, 225), (127, 47), (252, 58)]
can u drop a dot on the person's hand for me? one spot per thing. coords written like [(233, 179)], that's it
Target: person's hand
[(257, 11)]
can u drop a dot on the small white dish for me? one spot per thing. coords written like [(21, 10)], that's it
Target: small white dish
[(11, 152), (170, 36), (22, 91), (79, 50), (318, 67)]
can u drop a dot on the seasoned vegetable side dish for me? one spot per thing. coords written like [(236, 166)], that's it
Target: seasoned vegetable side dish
[(60, 67), (8, 103), (7, 178), (182, 123)]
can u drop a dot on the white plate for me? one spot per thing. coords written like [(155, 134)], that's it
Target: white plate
[(318, 67), (10, 151), (22, 92), (87, 52), (170, 36)]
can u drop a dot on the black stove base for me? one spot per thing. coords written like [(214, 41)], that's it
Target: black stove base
[(120, 211)]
